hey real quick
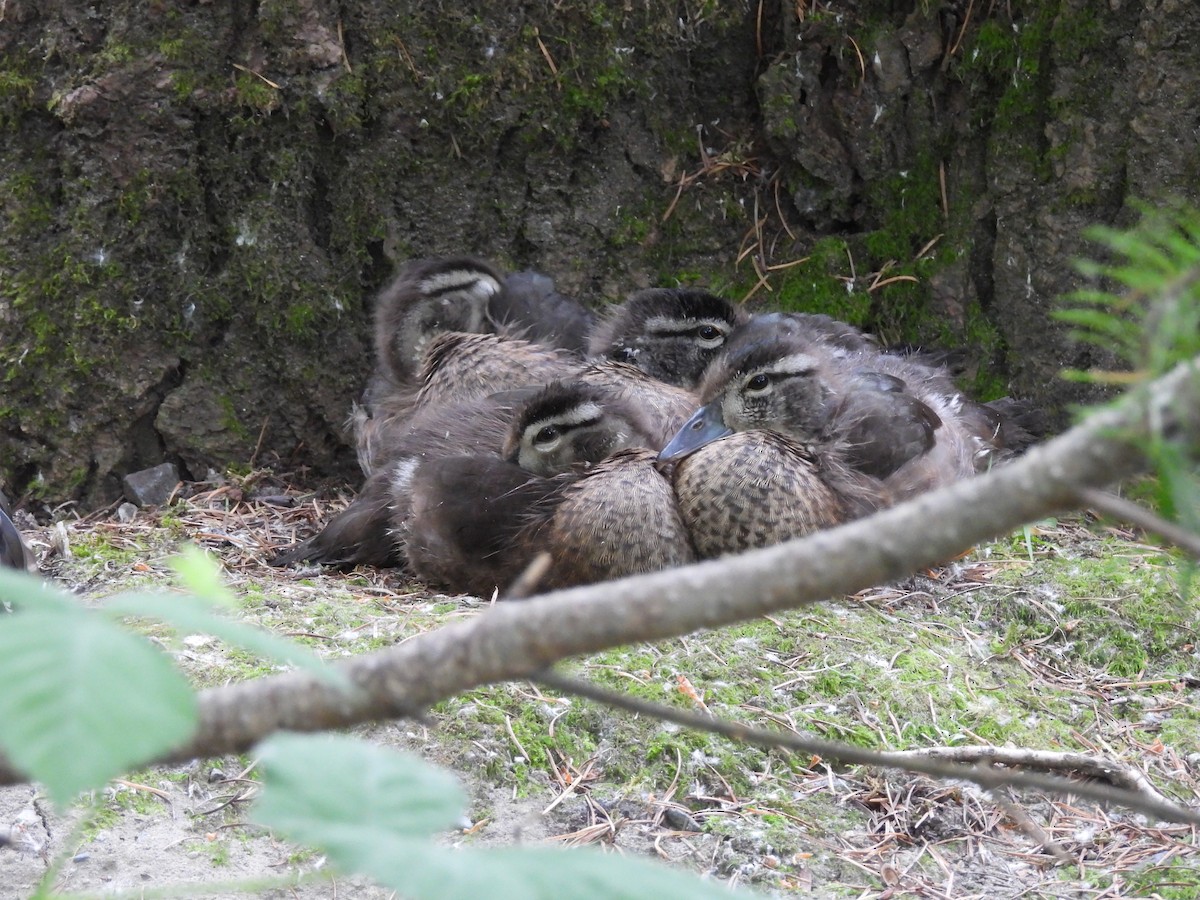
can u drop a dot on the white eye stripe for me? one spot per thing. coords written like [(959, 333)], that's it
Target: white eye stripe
[(666, 325), (582, 414), (464, 280), (798, 364)]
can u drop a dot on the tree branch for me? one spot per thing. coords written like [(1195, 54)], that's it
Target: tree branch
[(517, 639), (1127, 511), (1126, 785)]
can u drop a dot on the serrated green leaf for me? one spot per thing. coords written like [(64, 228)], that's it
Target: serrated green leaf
[(194, 614), (1103, 329), (84, 700), (1141, 277), (1097, 320), (1175, 241)]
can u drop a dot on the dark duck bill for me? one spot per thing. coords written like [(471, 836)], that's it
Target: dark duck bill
[(705, 426)]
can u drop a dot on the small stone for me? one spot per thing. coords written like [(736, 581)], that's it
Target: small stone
[(679, 820), (60, 540), (215, 774), (81, 857), (125, 512), (152, 487)]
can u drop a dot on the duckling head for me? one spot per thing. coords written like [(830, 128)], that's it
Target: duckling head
[(767, 386), (568, 424), (671, 334), (429, 298)]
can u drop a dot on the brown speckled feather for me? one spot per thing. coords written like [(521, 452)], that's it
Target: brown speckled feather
[(457, 367), (665, 407), (757, 488), (477, 523), (618, 518)]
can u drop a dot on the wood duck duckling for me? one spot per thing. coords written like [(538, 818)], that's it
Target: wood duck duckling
[(576, 481), (427, 298), (743, 481), (418, 359), (793, 438), (671, 334), (900, 394), (433, 297), (362, 533), (456, 367), (886, 415), (14, 552), (851, 433), (756, 488)]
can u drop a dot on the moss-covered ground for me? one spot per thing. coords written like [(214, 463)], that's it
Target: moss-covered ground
[(1069, 635)]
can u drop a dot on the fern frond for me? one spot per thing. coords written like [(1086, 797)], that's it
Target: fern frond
[(1152, 320)]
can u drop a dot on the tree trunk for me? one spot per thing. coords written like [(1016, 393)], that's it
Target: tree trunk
[(201, 198)]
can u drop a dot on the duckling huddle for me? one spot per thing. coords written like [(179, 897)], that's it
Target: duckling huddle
[(506, 421)]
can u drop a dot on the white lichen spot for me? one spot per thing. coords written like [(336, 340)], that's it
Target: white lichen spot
[(100, 256), (245, 236)]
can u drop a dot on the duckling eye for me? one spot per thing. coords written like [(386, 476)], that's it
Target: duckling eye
[(546, 435), (710, 335), (758, 383)]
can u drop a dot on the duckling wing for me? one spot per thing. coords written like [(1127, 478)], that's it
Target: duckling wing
[(466, 514), (530, 306), (358, 535), (881, 430)]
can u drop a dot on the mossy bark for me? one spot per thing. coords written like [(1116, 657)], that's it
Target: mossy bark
[(200, 199)]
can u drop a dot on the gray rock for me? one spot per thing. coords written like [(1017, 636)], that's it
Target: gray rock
[(152, 487)]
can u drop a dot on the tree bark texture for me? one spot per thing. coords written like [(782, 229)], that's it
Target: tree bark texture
[(200, 199)]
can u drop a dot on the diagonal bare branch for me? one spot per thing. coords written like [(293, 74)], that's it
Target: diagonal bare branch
[(515, 640)]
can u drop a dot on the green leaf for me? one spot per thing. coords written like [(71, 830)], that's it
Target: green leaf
[(548, 874), (202, 576), (84, 700), (25, 591), (426, 872), (373, 811), (194, 614), (346, 796)]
